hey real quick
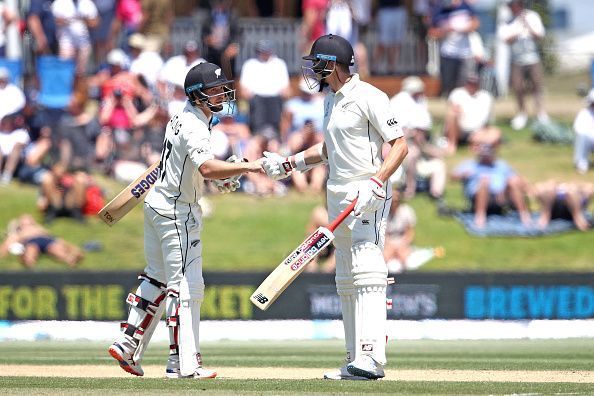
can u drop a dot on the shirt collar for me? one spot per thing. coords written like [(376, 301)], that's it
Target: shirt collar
[(349, 85), (200, 114)]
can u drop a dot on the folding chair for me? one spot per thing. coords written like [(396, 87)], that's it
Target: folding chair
[(56, 80)]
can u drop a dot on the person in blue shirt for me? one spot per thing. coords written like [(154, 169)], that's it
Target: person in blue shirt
[(490, 184)]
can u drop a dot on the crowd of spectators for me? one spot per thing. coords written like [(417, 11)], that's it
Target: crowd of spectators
[(127, 82)]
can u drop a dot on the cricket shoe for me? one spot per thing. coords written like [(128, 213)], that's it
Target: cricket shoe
[(119, 351), (173, 370), (343, 374), (366, 366)]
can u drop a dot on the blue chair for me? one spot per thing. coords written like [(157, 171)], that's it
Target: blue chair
[(15, 67), (56, 80)]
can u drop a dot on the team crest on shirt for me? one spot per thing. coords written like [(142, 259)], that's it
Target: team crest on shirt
[(392, 122), (347, 104)]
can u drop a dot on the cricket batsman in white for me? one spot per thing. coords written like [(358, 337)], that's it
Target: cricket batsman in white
[(358, 120), (172, 280)]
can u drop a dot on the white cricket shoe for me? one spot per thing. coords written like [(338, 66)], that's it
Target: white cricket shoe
[(366, 366), (343, 374), (172, 370), (519, 121), (123, 352)]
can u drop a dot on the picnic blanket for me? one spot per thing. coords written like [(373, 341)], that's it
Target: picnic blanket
[(509, 225)]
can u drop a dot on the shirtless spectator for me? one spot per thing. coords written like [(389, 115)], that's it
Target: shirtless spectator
[(563, 200), (28, 239)]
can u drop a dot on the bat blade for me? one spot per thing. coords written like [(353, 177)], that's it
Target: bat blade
[(130, 196), (294, 264)]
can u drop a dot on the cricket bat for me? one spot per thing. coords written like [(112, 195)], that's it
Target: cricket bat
[(130, 196), (290, 268)]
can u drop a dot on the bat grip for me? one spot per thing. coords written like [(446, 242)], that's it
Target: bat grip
[(343, 215)]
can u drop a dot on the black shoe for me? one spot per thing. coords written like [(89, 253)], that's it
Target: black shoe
[(50, 215)]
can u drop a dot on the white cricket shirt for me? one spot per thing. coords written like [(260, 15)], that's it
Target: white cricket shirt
[(185, 148), (358, 119)]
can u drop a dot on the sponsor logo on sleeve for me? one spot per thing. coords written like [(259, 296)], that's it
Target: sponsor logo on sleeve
[(392, 122)]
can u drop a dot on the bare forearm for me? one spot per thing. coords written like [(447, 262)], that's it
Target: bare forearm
[(217, 169), (393, 160)]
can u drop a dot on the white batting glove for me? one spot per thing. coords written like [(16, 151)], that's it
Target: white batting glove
[(276, 166), (229, 184), (371, 196)]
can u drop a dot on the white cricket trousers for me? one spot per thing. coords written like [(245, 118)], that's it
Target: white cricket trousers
[(173, 249), (361, 272)]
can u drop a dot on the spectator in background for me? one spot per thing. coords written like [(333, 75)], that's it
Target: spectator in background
[(28, 239), (584, 135), (452, 24), (171, 75), (522, 33), (220, 36), (127, 21), (12, 142), (410, 103), (264, 82), (157, 18), (230, 136), (565, 200), (62, 194), (425, 169), (7, 16), (146, 61), (392, 26), (400, 233), (102, 35), (314, 180), (313, 22), (32, 169), (490, 184), (468, 116), (73, 20), (305, 106), (42, 25), (77, 134), (12, 98)]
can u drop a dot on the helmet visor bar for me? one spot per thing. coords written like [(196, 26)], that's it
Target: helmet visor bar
[(314, 71)]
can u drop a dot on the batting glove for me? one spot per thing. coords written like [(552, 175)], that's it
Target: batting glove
[(229, 184), (276, 166), (371, 196)]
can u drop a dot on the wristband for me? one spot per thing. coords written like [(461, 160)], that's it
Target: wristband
[(300, 164), (377, 181)]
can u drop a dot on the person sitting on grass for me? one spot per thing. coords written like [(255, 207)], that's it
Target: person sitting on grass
[(490, 184), (28, 239), (563, 200)]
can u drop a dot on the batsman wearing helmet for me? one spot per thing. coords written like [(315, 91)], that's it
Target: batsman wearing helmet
[(358, 120), (172, 280)]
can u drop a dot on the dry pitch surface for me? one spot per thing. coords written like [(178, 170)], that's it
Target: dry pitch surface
[(154, 371)]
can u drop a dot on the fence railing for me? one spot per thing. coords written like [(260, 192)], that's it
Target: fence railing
[(284, 33)]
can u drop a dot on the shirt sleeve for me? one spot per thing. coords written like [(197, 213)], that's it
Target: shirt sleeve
[(382, 117), (197, 141), (88, 10), (534, 21)]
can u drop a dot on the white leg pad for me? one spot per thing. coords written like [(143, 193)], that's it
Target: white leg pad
[(189, 324), (347, 293), (146, 308), (369, 274)]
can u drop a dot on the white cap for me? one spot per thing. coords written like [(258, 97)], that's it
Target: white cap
[(117, 57), (137, 40), (413, 85)]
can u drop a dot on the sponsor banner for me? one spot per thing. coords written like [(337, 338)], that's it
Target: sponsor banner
[(102, 296)]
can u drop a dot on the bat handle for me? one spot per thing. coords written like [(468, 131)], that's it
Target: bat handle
[(343, 215)]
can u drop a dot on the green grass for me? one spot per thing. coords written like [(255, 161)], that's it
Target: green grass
[(248, 233), (524, 355)]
